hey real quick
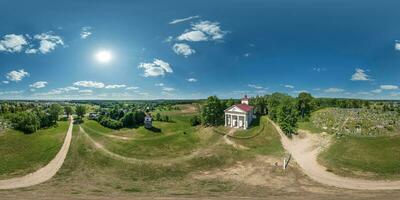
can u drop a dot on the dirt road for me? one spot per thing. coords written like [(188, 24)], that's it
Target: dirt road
[(45, 173), (305, 150)]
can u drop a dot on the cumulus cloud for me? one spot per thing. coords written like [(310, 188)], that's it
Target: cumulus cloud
[(289, 86), (255, 86), (192, 80), (176, 21), (193, 36), (48, 42), (159, 84), (360, 75), (17, 76), (203, 31), (397, 45), (156, 68), (13, 43), (89, 84), (389, 87), (86, 32), (210, 28), (5, 82), (39, 84), (115, 86), (183, 49), (334, 90)]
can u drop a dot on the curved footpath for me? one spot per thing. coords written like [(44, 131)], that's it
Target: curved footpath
[(305, 150), (45, 173)]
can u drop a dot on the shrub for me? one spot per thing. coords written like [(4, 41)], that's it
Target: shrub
[(195, 120), (111, 123), (26, 122)]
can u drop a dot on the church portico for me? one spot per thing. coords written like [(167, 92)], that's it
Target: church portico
[(239, 115)]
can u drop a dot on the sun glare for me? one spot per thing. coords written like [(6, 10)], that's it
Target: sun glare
[(103, 56)]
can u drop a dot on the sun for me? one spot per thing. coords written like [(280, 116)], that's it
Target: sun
[(104, 56)]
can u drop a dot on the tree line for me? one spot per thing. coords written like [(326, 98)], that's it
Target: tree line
[(281, 108)]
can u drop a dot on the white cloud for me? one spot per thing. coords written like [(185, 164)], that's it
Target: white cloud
[(191, 80), (17, 75), (6, 82), (389, 87), (193, 36), (90, 84), (360, 75), (289, 86), (246, 54), (13, 92), (86, 32), (168, 89), (159, 84), (210, 28), (255, 86), (176, 21), (156, 68), (203, 31), (132, 88), (376, 91), (67, 89), (48, 42), (31, 51), (183, 49), (334, 90), (12, 43), (85, 91), (114, 86), (39, 84), (397, 45), (168, 39)]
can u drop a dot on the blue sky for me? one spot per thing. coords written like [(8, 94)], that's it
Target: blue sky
[(193, 49)]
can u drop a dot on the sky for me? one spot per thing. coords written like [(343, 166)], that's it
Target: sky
[(178, 49)]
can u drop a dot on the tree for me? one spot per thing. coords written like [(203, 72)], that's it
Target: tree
[(158, 117), (68, 110), (195, 120), (165, 118), (80, 111), (273, 103), (55, 110), (229, 103), (26, 122), (139, 117), (287, 116), (128, 120), (212, 113), (304, 104)]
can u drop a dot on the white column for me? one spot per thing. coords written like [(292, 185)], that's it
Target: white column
[(226, 119)]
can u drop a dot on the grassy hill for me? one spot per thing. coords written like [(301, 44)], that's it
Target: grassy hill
[(24, 153)]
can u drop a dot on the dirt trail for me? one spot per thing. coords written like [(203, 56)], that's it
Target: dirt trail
[(305, 149), (45, 173), (233, 143)]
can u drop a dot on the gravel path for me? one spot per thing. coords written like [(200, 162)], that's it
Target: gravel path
[(305, 149), (45, 173)]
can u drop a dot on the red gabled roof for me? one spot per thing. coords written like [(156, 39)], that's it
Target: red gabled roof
[(244, 107)]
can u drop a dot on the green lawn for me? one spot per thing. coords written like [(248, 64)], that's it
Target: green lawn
[(24, 153), (371, 157), (266, 140)]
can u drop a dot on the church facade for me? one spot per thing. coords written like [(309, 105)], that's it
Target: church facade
[(239, 115)]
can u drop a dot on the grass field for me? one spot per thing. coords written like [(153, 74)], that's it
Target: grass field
[(24, 153), (375, 157)]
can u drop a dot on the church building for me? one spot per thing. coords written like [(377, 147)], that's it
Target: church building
[(239, 115)]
